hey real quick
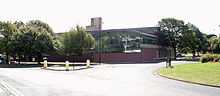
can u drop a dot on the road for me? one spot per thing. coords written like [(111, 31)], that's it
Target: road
[(102, 80)]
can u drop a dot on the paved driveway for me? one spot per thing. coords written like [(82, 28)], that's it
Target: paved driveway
[(103, 80)]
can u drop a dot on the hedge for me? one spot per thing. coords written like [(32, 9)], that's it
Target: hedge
[(210, 58)]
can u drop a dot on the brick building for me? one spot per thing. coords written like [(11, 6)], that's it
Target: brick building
[(130, 45)]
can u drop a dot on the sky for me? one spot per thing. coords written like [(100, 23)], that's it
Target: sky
[(62, 15)]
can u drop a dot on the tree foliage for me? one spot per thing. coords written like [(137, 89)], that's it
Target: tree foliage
[(32, 39), (192, 40), (182, 37), (77, 41), (40, 26), (214, 44), (7, 30), (171, 31)]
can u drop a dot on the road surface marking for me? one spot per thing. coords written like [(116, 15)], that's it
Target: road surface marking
[(11, 89), (1, 90)]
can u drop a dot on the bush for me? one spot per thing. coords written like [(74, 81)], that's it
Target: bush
[(204, 58), (188, 58), (210, 58)]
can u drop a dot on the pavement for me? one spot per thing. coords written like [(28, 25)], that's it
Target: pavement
[(101, 80)]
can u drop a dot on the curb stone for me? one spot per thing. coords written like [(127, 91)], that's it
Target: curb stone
[(186, 81)]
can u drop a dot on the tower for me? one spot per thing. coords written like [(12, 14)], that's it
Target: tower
[(96, 24)]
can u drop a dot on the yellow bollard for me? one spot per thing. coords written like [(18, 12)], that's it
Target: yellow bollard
[(87, 63), (67, 64), (45, 63)]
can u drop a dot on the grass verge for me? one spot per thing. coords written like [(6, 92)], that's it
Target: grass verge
[(203, 73)]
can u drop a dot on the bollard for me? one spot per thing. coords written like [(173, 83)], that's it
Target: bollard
[(67, 64), (87, 63), (45, 64)]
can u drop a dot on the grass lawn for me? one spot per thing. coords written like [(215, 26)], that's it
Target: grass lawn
[(205, 73)]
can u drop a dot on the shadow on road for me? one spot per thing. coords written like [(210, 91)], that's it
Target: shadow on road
[(19, 65), (36, 65)]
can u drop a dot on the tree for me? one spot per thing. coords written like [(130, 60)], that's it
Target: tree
[(7, 30), (39, 39), (17, 43), (171, 29), (192, 40), (38, 42), (77, 41), (40, 25), (189, 42), (33, 39), (214, 44)]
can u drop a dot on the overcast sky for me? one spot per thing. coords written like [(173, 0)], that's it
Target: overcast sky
[(61, 15)]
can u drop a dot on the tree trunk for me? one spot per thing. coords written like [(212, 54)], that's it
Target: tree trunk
[(38, 58), (19, 59), (174, 49), (198, 54), (168, 59), (7, 58), (194, 53)]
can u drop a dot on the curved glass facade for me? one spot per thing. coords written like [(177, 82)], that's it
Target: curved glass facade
[(122, 40)]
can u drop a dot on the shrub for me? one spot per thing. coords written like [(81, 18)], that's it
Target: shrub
[(210, 58), (188, 58), (204, 58)]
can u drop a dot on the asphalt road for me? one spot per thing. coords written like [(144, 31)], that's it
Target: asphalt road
[(102, 80)]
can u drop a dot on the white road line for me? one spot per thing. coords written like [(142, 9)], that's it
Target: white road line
[(11, 89), (1, 90)]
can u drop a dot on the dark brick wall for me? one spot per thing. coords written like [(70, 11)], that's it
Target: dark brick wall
[(146, 55), (61, 58)]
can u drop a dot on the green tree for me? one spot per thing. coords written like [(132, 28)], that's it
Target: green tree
[(214, 44), (171, 31), (77, 41), (39, 42), (189, 42), (18, 44), (7, 30), (33, 39), (39, 39), (192, 40), (201, 43), (39, 25)]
